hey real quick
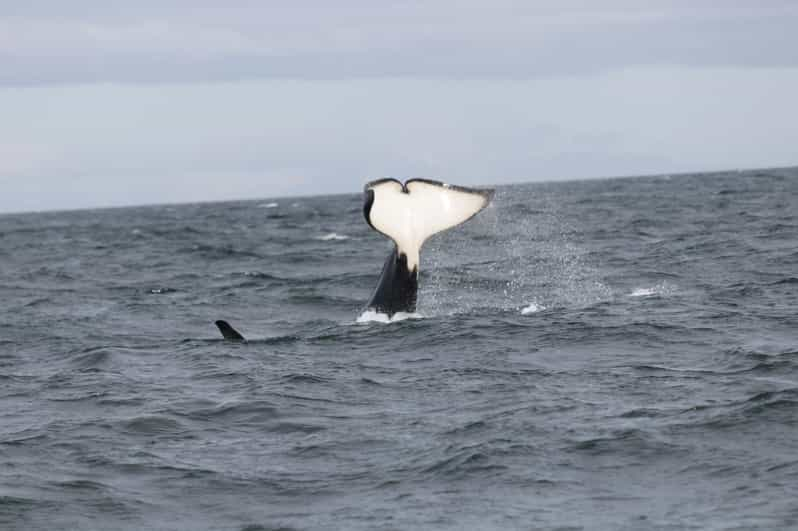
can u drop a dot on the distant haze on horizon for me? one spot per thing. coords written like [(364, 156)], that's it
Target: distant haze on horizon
[(106, 104)]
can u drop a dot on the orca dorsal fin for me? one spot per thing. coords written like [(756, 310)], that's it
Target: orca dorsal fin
[(228, 332)]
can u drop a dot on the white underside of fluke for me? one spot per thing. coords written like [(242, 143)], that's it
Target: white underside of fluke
[(412, 213)]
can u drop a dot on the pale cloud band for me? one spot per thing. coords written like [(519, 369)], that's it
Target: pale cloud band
[(84, 41)]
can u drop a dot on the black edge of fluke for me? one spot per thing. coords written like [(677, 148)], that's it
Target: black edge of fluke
[(228, 332), (367, 204)]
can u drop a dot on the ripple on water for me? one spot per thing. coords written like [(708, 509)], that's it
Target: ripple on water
[(152, 425)]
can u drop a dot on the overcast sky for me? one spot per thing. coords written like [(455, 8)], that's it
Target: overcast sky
[(107, 102)]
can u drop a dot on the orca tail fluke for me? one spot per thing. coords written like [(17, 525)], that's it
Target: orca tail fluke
[(228, 332), (409, 214)]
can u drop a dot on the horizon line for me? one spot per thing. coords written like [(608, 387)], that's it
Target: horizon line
[(513, 183)]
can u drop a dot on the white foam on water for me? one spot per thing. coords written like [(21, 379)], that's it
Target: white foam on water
[(333, 236), (533, 307), (268, 205), (662, 289), (643, 292), (370, 316)]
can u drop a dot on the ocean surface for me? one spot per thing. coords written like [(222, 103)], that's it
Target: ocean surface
[(616, 354)]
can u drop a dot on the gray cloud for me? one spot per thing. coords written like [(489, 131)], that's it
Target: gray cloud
[(86, 41), (108, 102)]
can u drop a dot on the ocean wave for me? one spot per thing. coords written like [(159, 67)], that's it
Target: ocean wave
[(161, 291), (152, 425), (531, 308), (464, 462), (80, 484), (321, 299), (238, 412), (257, 274), (218, 252), (663, 289), (631, 443), (333, 236), (93, 358), (303, 379)]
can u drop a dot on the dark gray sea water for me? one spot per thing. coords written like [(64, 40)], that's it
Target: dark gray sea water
[(616, 354)]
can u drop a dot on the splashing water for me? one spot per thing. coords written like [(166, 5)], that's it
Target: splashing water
[(370, 316), (529, 255), (532, 308), (333, 236)]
